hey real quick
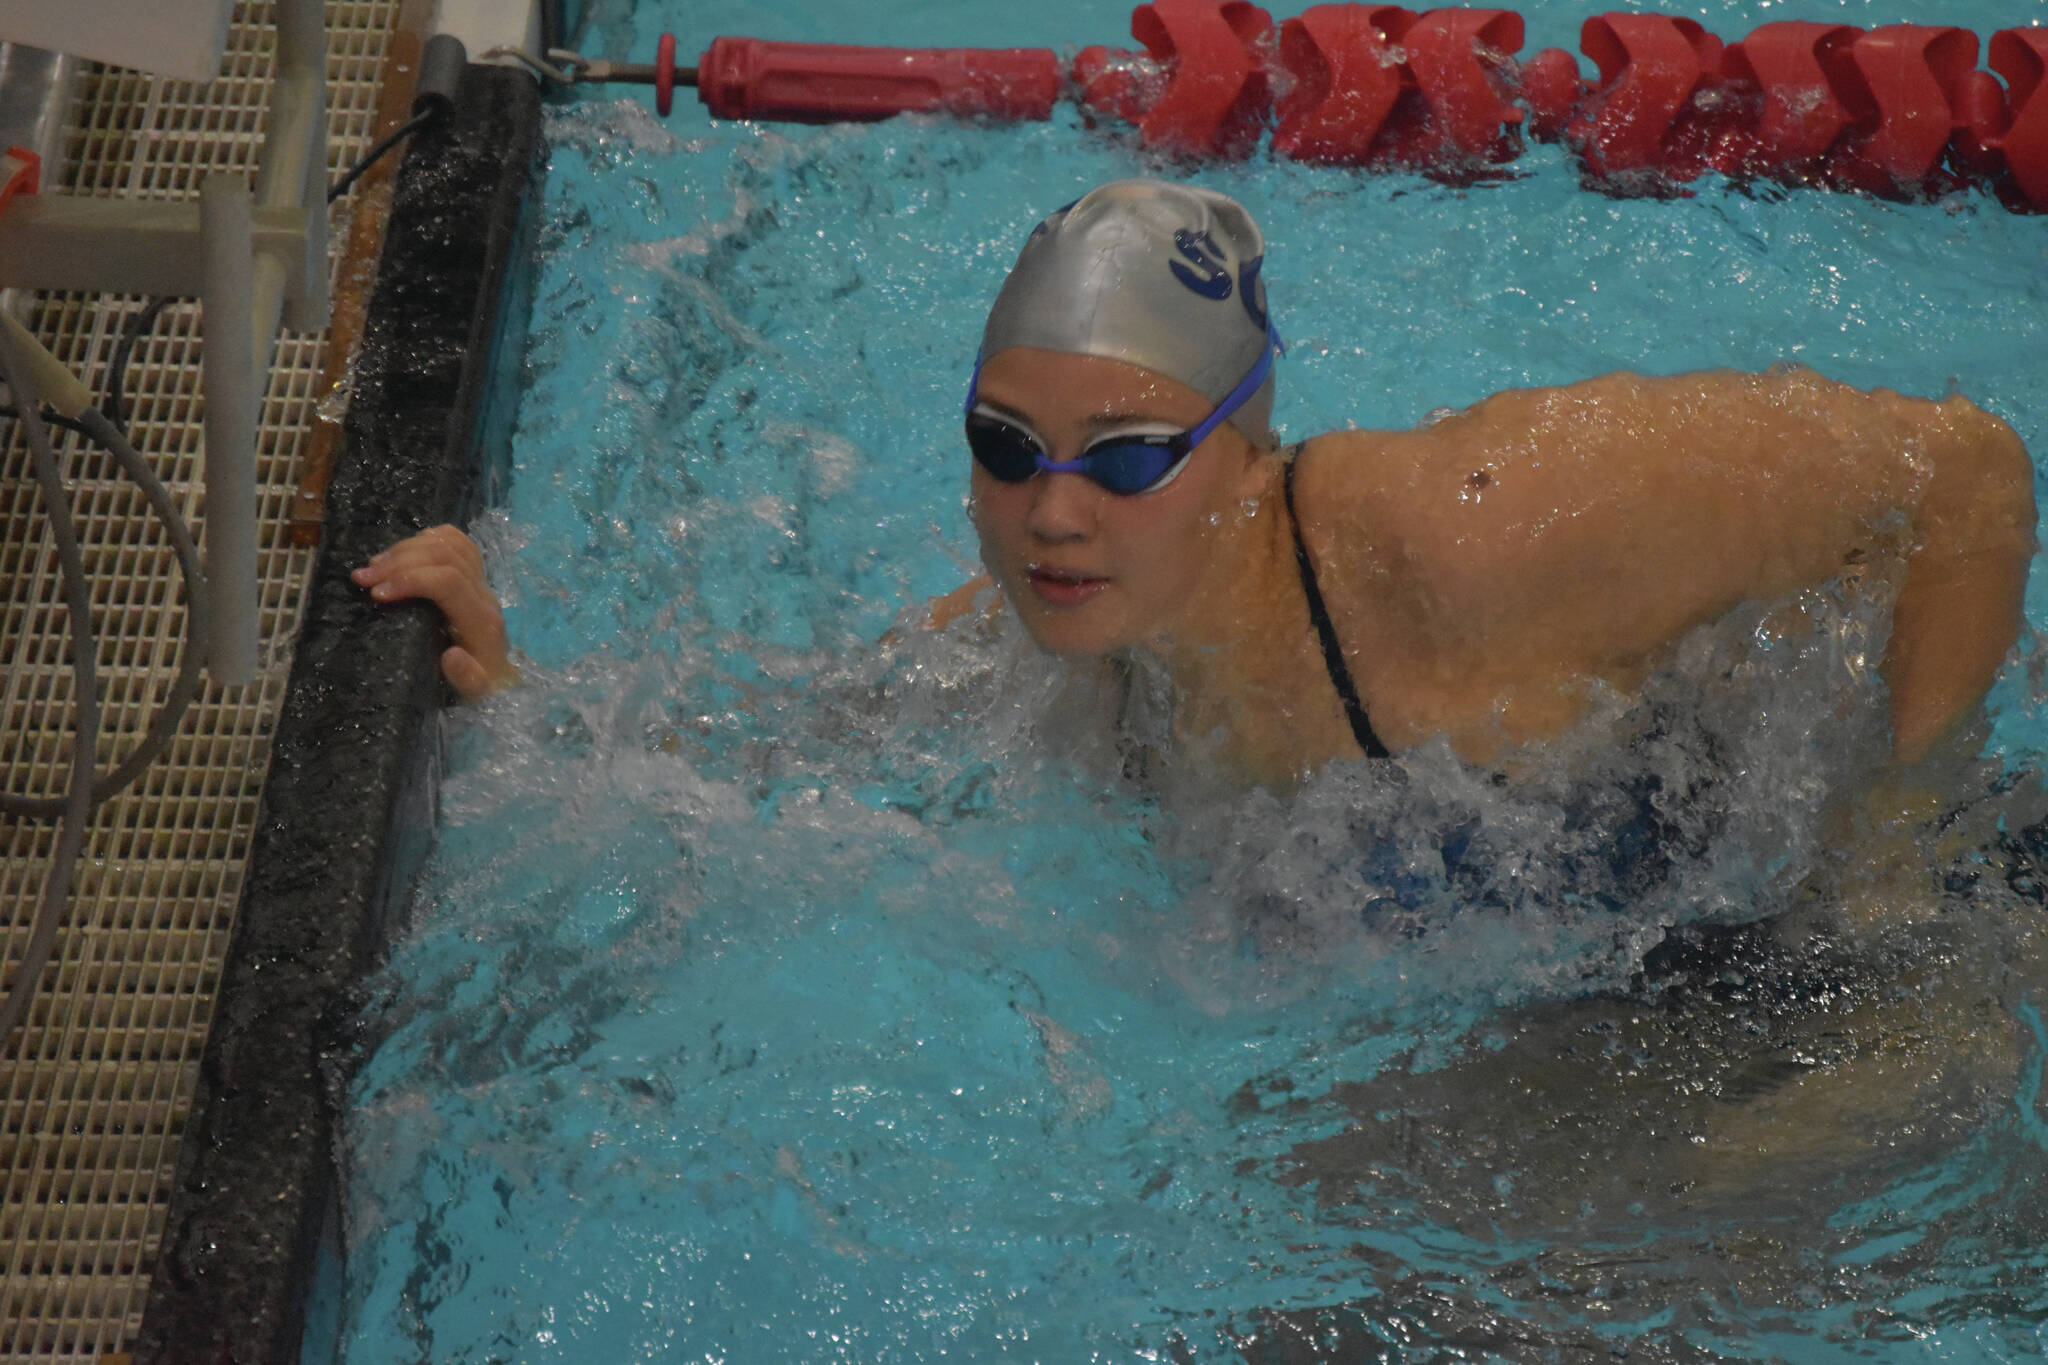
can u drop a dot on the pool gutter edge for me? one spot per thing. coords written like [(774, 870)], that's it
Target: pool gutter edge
[(347, 808)]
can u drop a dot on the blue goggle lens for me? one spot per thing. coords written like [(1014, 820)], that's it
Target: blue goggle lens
[(1122, 464)]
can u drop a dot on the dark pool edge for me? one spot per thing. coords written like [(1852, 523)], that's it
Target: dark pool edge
[(347, 809)]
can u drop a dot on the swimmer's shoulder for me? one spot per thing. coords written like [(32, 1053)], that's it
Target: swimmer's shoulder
[(1476, 492), (1429, 503), (1435, 629), (1446, 533)]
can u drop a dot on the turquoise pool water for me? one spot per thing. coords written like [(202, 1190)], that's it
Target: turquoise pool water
[(787, 989)]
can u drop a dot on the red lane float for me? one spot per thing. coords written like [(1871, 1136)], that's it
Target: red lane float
[(1900, 84), (2021, 56), (1462, 111), (1898, 110), (1552, 89), (1671, 103), (1346, 80), (1642, 117), (1978, 146), (1382, 86), (665, 73), (1784, 67), (1201, 88)]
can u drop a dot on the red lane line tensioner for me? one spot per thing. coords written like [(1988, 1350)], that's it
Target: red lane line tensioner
[(822, 83), (753, 78)]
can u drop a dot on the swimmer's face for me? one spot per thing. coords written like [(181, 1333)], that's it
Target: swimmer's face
[(1088, 570)]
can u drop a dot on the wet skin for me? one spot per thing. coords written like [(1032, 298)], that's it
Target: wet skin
[(444, 566)]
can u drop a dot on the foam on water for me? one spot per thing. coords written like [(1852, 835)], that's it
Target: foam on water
[(794, 983)]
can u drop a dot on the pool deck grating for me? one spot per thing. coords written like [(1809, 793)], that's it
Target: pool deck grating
[(96, 1090)]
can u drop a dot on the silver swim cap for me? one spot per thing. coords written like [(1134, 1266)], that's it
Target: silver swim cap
[(1156, 274)]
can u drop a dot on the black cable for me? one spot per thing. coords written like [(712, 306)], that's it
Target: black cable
[(384, 144), (123, 348), (49, 418)]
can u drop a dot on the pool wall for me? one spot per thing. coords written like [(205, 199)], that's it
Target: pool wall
[(254, 1228)]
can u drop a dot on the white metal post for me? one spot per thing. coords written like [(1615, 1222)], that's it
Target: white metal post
[(231, 378)]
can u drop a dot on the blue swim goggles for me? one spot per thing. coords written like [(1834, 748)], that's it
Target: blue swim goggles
[(1127, 463)]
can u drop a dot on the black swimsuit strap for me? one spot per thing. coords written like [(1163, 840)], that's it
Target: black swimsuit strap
[(1333, 653)]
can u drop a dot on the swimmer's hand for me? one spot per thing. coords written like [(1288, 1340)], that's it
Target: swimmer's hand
[(942, 612), (444, 566)]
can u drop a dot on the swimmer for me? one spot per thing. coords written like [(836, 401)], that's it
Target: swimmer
[(1485, 578)]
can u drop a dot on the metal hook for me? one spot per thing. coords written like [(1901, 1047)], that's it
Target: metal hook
[(582, 68), (532, 63), (579, 67)]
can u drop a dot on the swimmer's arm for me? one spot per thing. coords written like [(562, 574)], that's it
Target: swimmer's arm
[(1576, 532), (1961, 605), (445, 567), (1838, 464), (1813, 475)]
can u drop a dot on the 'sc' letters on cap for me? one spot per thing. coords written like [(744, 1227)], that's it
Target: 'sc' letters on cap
[(1201, 251)]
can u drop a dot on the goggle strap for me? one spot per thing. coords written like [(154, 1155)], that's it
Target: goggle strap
[(1240, 395)]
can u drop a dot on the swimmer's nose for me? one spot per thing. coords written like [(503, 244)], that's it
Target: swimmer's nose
[(1063, 506)]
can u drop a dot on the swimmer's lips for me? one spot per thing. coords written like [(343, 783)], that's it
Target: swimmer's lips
[(1061, 587)]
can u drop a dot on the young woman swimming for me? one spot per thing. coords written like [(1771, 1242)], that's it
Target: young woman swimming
[(1484, 578)]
